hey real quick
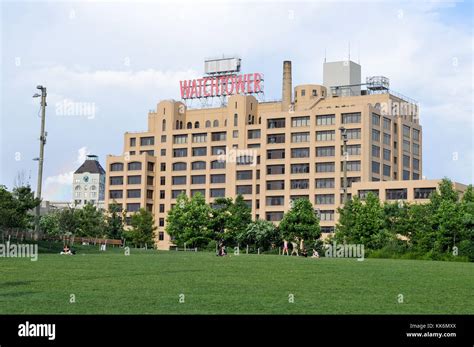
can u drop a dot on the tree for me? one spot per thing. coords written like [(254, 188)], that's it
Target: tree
[(15, 207), (91, 222), (188, 221), (49, 224), (300, 222), (260, 233), (114, 222), (68, 221), (143, 227)]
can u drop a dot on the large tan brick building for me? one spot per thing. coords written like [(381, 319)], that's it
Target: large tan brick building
[(274, 151)]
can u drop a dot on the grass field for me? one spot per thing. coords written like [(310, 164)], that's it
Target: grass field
[(150, 282)]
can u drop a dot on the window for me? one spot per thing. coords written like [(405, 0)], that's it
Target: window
[(244, 160), (180, 152), (116, 167), (406, 175), (303, 92), (299, 168), (221, 136), (375, 167), (218, 150), (180, 139), (147, 141), (352, 165), (189, 125), (217, 192), (351, 150), (395, 194), (364, 192), (163, 138), (297, 122), (416, 149), (386, 154), (208, 124), (162, 194), (406, 161), (348, 118), (200, 191), (276, 138), (275, 200), (198, 138), (387, 139), (149, 194), (198, 179), (325, 167), (353, 134), (243, 189), (416, 135), (275, 169), (198, 165), (386, 170), (424, 193), (350, 180), (275, 185), (133, 142), (179, 166), (235, 134), (117, 180), (254, 134), (215, 124), (151, 166), (176, 193), (236, 119), (162, 166), (375, 119), (406, 131), (244, 175), (416, 164), (115, 194), (199, 151), (196, 125), (387, 123), (406, 146), (149, 180), (300, 152), (328, 119), (217, 164), (326, 215), (275, 154), (328, 135), (218, 178), (133, 207), (328, 151), (275, 123), (134, 179), (324, 199), (321, 183), (163, 152), (375, 135), (300, 137), (134, 165), (416, 176), (300, 184), (274, 216), (178, 180), (134, 193)]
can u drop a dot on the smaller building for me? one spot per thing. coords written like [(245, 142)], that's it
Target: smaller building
[(89, 183)]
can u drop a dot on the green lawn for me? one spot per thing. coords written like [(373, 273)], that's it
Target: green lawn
[(150, 282)]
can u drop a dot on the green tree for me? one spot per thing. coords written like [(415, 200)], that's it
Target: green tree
[(229, 218), (68, 221), (114, 227), (259, 233), (16, 207), (49, 224), (189, 221), (90, 222), (142, 230), (300, 222)]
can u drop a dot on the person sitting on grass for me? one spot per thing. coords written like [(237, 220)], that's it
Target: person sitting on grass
[(66, 250), (304, 253), (315, 254)]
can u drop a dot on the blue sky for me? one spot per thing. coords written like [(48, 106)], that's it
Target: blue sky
[(123, 58)]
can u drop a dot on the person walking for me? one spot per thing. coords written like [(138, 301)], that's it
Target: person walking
[(295, 249), (285, 247)]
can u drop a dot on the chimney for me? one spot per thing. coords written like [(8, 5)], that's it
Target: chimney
[(286, 97)]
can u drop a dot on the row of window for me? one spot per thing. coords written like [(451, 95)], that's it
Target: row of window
[(399, 193), (132, 166)]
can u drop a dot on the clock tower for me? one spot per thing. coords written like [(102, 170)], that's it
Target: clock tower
[(89, 183)]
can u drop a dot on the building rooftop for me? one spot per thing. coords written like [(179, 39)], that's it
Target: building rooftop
[(91, 165)]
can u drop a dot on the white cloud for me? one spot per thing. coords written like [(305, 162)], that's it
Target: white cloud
[(59, 187)]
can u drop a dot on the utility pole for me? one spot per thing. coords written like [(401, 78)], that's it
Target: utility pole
[(41, 155), (344, 163)]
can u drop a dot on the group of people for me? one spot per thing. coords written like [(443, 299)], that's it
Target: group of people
[(294, 249)]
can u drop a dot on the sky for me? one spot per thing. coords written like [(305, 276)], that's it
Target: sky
[(114, 61)]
